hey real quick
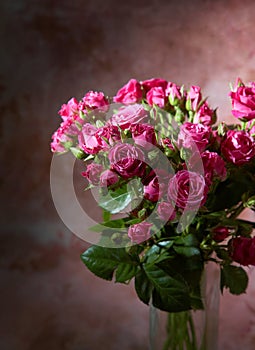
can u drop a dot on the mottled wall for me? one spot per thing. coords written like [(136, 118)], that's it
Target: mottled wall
[(50, 51)]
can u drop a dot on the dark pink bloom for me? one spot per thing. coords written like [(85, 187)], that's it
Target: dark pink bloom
[(154, 82), (129, 93), (127, 160), (194, 97), (204, 115), (166, 211), (144, 135), (93, 173), (69, 109), (108, 178), (187, 190), (155, 184), (173, 92), (156, 96), (238, 147), (242, 250), (89, 140), (220, 233), (128, 116), (139, 233), (192, 135), (166, 142), (109, 132), (214, 166), (243, 101), (94, 100)]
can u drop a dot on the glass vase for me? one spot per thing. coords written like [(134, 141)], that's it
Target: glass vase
[(192, 329)]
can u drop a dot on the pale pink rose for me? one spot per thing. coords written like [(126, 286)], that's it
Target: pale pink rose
[(243, 101), (96, 100), (108, 178), (89, 140), (242, 250), (144, 135), (129, 93), (154, 82), (139, 233), (173, 92), (204, 115), (127, 160), (194, 97), (194, 134), (166, 211), (128, 116), (187, 190), (93, 173), (238, 147), (156, 96)]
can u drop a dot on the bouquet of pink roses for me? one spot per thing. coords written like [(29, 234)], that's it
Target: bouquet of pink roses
[(171, 184)]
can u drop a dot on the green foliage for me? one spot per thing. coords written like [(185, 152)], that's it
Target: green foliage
[(235, 278)]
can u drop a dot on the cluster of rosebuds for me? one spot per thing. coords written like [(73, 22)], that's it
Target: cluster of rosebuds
[(124, 137)]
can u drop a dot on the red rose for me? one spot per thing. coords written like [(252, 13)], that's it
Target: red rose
[(242, 250), (220, 233)]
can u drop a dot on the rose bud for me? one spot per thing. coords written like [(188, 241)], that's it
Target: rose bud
[(166, 211), (220, 233), (108, 178), (139, 233)]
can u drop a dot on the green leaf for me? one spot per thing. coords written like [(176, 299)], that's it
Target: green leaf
[(187, 251), (143, 286), (235, 278), (103, 261), (125, 272), (187, 241), (115, 201), (78, 153), (170, 293)]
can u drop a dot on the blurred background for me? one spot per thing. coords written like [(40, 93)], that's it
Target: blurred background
[(51, 51)]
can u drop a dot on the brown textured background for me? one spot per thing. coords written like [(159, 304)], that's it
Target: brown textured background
[(50, 51)]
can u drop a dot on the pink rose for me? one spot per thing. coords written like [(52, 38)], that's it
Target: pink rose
[(69, 109), (109, 132), (128, 116), (154, 82), (139, 233), (173, 92), (220, 233), (251, 128), (243, 101), (194, 97), (129, 93), (154, 185), (89, 140), (204, 115), (214, 166), (238, 147), (166, 142), (156, 96), (108, 178), (191, 134), (62, 139), (166, 211), (93, 173), (187, 189), (94, 100), (144, 135), (242, 250), (127, 160)]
